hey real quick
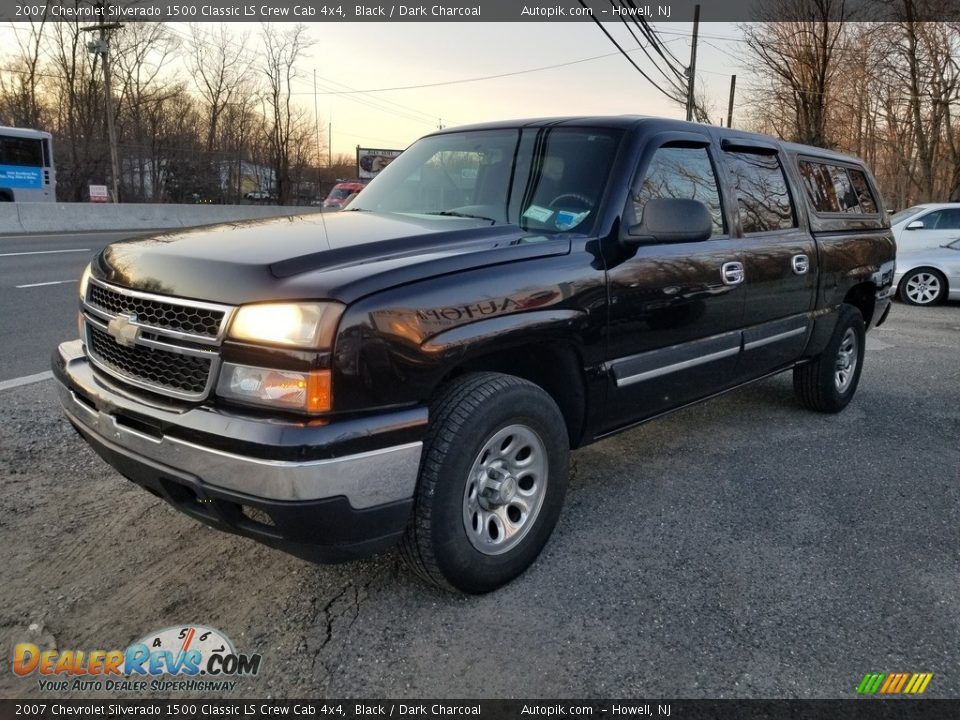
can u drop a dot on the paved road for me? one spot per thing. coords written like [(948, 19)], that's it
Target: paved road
[(38, 295), (741, 548)]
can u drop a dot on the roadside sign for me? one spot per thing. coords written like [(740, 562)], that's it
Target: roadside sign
[(370, 161), (99, 194)]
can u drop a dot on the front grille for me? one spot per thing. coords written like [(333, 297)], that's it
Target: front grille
[(204, 322), (175, 348), (160, 368)]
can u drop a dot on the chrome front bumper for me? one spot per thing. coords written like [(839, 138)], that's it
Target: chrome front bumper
[(366, 479)]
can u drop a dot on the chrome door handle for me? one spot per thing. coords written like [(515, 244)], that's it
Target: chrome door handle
[(732, 273), (801, 264)]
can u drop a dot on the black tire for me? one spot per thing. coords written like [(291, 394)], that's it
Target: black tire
[(468, 414), (818, 383), (923, 286)]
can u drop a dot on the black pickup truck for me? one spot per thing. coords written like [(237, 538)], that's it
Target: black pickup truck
[(415, 369)]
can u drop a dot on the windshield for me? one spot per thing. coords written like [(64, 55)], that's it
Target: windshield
[(339, 194), (544, 179), (904, 214)]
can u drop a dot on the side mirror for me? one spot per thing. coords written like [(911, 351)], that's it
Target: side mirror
[(915, 225), (670, 220)]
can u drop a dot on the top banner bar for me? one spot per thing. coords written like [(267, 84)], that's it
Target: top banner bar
[(333, 11)]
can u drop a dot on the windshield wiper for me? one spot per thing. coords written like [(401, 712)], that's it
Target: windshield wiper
[(454, 213)]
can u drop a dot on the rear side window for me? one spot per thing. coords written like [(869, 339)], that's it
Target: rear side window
[(859, 180), (681, 172), (762, 193), (819, 184), (837, 189)]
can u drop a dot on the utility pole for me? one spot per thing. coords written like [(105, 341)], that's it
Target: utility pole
[(316, 125), (733, 88), (101, 47), (692, 70)]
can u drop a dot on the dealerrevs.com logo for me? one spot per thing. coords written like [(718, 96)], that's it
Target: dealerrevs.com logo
[(179, 658)]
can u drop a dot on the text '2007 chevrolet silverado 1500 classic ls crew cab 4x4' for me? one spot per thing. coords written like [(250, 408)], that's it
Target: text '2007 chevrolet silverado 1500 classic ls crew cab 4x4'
[(417, 368)]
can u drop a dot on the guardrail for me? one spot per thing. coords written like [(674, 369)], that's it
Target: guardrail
[(18, 218)]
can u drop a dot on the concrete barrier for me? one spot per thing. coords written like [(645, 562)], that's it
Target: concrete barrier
[(16, 218)]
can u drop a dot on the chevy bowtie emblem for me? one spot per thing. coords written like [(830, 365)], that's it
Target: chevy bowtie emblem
[(122, 329)]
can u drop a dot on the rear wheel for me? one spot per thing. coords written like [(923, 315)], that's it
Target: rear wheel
[(492, 482), (828, 382), (923, 286)]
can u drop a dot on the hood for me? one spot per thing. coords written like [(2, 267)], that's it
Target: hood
[(340, 256)]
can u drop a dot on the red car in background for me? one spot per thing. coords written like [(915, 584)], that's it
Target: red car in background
[(341, 194)]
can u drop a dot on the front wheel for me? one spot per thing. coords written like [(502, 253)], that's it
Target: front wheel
[(492, 481), (828, 382), (923, 286)]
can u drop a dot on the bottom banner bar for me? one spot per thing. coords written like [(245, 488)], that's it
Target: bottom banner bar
[(865, 709)]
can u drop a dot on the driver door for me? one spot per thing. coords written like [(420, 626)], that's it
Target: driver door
[(675, 308)]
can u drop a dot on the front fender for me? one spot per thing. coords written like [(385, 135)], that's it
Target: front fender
[(466, 342)]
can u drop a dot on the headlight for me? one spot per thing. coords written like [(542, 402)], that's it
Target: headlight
[(300, 391), (84, 281), (308, 325)]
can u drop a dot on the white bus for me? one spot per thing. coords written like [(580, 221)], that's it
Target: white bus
[(26, 166)]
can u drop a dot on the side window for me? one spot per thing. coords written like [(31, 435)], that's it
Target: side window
[(819, 186), (762, 192), (952, 220), (849, 203), (24, 152), (942, 220), (859, 180), (680, 172), (836, 189)]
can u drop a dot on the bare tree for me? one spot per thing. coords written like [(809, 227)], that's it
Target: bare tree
[(795, 62), (281, 52), (221, 74), (923, 58), (77, 85), (141, 52), (20, 103)]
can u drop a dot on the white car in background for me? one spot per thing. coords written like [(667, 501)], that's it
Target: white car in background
[(930, 276), (930, 225)]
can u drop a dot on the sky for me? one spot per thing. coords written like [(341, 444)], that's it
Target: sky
[(372, 56), (381, 56), (365, 56)]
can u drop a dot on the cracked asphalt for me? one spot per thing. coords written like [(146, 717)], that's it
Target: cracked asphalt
[(740, 548)]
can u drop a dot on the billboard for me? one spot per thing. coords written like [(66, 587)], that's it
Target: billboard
[(371, 161)]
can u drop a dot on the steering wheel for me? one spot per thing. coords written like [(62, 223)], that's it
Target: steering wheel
[(578, 197)]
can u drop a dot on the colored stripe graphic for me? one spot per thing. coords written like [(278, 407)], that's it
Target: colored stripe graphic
[(899, 680), (870, 683), (894, 683), (890, 682), (918, 683)]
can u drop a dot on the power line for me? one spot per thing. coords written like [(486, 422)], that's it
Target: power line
[(473, 79), (407, 113), (626, 24), (656, 34), (625, 53), (675, 65)]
